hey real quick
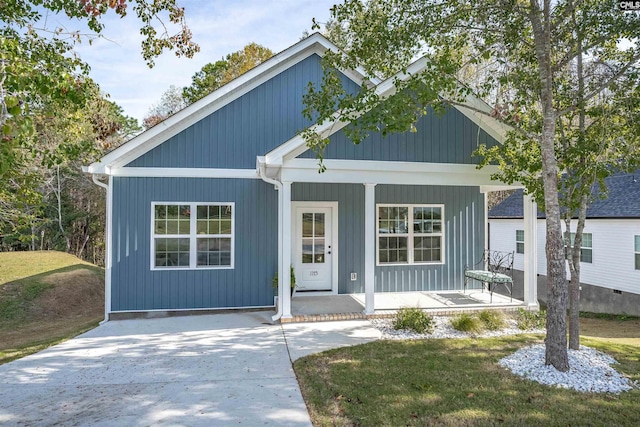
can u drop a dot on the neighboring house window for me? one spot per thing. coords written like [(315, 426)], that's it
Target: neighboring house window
[(192, 235), (410, 234), (586, 254), (519, 241), (637, 251)]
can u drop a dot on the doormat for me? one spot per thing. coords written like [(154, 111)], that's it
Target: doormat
[(457, 299)]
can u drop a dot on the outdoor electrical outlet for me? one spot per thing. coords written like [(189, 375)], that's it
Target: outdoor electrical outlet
[(354, 276)]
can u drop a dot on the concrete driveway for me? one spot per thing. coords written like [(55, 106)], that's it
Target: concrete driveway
[(210, 370)]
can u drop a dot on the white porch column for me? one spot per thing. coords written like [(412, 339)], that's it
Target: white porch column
[(286, 250), (530, 252), (369, 247)]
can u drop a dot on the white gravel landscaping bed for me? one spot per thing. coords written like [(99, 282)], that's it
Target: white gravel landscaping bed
[(590, 370)]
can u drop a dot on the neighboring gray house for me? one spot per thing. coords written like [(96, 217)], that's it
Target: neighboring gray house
[(610, 266), (204, 208)]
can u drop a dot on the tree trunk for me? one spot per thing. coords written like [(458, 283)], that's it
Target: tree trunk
[(574, 285), (584, 185), (556, 340), (58, 194)]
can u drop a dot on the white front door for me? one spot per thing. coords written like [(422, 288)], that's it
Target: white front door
[(312, 250)]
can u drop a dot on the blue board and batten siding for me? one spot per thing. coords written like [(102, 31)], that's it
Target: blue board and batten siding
[(249, 126), (447, 138), (463, 226), (464, 237), (136, 287)]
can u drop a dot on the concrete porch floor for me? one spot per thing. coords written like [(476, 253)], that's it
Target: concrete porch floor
[(306, 307)]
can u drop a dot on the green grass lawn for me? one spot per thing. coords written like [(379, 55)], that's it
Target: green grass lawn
[(45, 298), (454, 382)]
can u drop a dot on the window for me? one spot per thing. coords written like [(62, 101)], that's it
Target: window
[(410, 234), (637, 251), (181, 239), (519, 241), (586, 254)]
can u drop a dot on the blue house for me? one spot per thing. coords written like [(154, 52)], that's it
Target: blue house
[(204, 208)]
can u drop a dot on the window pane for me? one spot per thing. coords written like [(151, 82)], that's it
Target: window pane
[(519, 235), (225, 212), (307, 251), (637, 243), (586, 240), (202, 212), (319, 225), (586, 255), (203, 226), (402, 242), (383, 213), (519, 248), (307, 225), (172, 252), (318, 251), (214, 251), (161, 226), (637, 261), (161, 211), (225, 226), (172, 211)]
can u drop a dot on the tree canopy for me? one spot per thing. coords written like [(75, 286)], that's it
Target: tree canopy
[(214, 75), (38, 64), (522, 57)]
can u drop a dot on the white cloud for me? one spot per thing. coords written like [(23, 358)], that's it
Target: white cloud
[(219, 27)]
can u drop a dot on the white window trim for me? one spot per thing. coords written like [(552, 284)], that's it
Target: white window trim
[(409, 235), (193, 237), (635, 252), (572, 237), (520, 241)]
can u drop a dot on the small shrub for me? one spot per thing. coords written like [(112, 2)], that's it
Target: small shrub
[(527, 320), (467, 323), (492, 320), (414, 319)]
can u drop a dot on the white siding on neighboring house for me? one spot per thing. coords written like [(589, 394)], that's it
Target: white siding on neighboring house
[(613, 263)]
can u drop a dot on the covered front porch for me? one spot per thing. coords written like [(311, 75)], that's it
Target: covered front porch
[(359, 283), (307, 307)]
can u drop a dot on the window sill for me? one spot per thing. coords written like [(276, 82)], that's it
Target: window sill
[(406, 264), (191, 269)]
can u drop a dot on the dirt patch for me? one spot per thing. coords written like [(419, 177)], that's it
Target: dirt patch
[(74, 293), (73, 301)]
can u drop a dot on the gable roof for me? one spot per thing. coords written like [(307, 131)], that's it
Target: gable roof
[(473, 108), (623, 200), (146, 141)]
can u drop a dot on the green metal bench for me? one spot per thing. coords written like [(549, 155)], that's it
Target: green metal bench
[(495, 268)]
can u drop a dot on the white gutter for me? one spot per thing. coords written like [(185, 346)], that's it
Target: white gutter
[(107, 249), (281, 271)]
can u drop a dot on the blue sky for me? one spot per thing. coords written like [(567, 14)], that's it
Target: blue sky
[(219, 27)]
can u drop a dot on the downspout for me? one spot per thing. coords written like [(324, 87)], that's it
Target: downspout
[(107, 249), (281, 271)]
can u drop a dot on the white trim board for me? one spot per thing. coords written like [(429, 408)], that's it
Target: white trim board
[(183, 173), (381, 172)]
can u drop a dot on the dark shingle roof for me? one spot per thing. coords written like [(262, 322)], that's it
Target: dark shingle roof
[(623, 200)]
